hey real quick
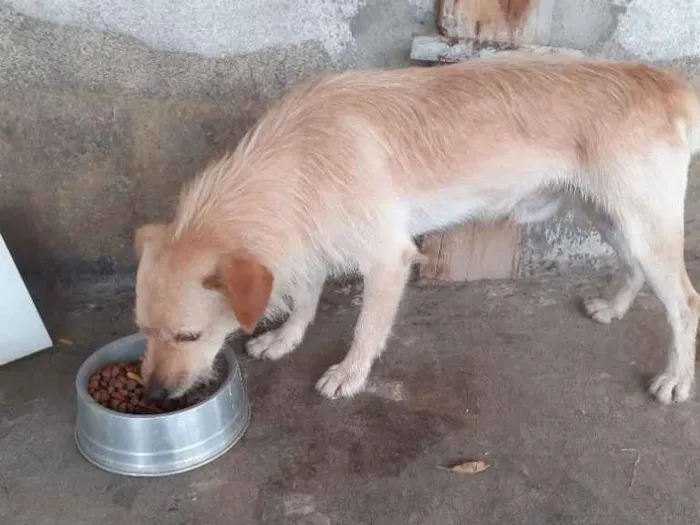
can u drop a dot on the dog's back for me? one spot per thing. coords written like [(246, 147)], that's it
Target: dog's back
[(438, 119), (472, 140)]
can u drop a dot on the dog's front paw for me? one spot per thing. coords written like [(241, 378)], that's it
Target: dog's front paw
[(342, 380), (672, 387), (600, 310), (270, 345)]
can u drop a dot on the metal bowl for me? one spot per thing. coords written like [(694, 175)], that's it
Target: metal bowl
[(161, 444)]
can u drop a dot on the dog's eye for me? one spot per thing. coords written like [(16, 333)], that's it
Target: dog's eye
[(187, 337)]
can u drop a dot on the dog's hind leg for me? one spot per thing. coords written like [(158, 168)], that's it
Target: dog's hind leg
[(662, 262), (277, 343), (603, 310), (648, 214)]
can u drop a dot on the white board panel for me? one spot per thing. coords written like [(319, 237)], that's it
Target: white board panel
[(22, 332)]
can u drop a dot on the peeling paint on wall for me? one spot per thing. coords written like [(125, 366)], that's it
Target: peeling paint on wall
[(556, 244), (212, 28)]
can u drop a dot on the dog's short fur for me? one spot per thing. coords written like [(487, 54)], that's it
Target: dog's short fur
[(347, 168)]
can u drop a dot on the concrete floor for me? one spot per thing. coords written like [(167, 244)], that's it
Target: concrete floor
[(509, 372)]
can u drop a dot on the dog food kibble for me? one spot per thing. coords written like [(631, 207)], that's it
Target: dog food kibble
[(119, 387)]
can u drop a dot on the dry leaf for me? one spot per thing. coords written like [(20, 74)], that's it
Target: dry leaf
[(66, 342), (473, 466)]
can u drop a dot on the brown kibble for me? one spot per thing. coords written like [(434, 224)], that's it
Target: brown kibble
[(118, 395), (118, 386)]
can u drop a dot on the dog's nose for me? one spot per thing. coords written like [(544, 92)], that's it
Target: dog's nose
[(155, 390)]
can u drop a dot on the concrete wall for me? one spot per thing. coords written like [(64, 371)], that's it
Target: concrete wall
[(108, 106)]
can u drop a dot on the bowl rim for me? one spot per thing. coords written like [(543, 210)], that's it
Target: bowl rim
[(234, 371)]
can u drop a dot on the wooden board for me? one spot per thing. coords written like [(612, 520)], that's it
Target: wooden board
[(471, 252), (522, 21)]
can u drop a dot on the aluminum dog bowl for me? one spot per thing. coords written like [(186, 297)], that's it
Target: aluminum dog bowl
[(161, 444)]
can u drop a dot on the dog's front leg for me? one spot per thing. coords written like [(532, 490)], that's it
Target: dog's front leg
[(383, 286), (277, 343)]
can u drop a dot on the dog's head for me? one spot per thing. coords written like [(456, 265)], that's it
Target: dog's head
[(189, 298)]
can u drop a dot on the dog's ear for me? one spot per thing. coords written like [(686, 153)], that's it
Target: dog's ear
[(148, 234), (247, 285)]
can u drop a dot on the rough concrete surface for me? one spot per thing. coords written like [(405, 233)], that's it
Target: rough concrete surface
[(660, 29), (209, 27), (510, 372), (108, 107)]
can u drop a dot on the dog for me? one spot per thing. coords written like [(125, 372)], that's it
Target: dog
[(345, 171)]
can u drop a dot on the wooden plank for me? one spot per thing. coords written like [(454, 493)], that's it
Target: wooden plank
[(499, 20), (471, 252)]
